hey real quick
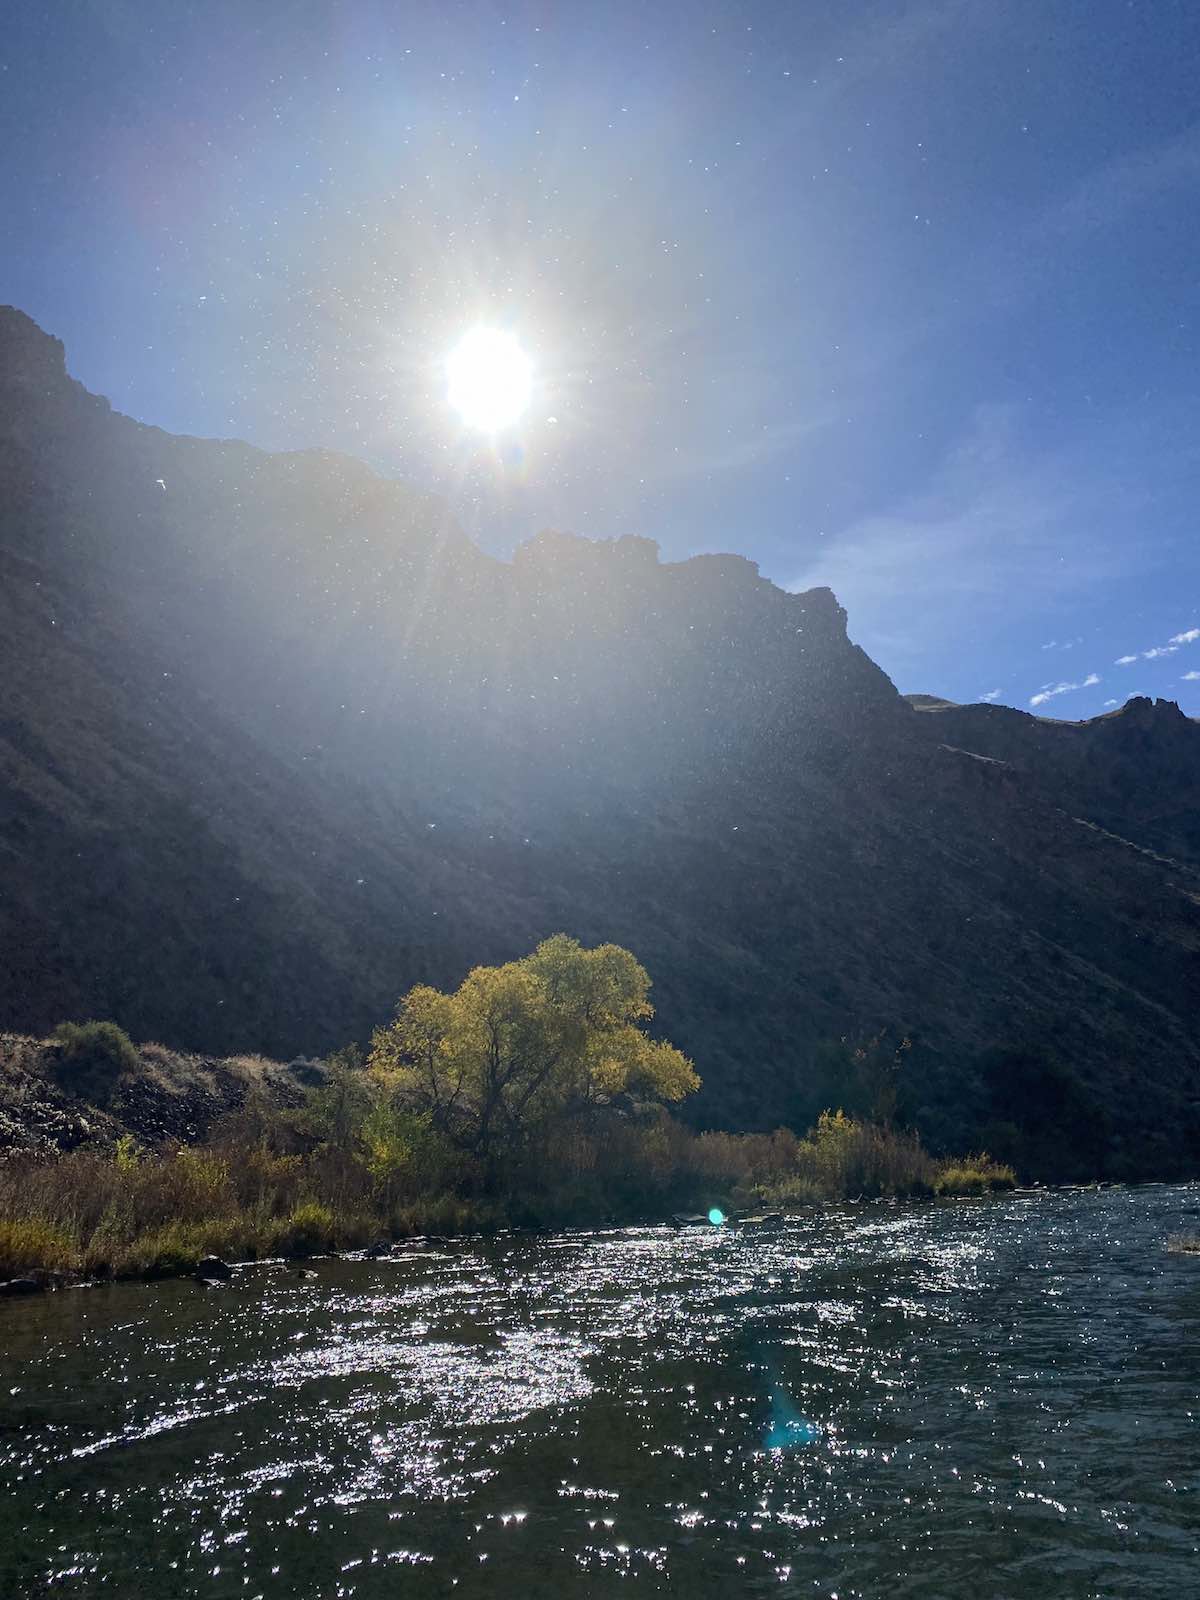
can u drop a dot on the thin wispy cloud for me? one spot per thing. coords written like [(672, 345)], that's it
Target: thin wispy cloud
[(1108, 194), (750, 446), (1191, 677), (1051, 691), (1189, 637), (1124, 661), (1102, 199), (992, 694), (1159, 650), (999, 519)]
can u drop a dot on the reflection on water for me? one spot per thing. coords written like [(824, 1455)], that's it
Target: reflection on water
[(999, 1398)]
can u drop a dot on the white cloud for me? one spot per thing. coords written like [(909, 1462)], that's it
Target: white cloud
[(994, 694), (1189, 636), (1191, 677), (1112, 702), (1050, 690)]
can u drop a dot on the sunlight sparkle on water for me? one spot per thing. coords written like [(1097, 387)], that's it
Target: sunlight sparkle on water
[(881, 1398)]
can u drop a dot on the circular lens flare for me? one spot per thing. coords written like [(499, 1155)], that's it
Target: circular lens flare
[(489, 379)]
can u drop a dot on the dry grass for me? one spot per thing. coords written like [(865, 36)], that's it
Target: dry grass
[(30, 1244), (253, 1066), (967, 1175), (85, 1212)]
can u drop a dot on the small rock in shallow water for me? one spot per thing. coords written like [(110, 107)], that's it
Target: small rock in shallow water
[(213, 1267)]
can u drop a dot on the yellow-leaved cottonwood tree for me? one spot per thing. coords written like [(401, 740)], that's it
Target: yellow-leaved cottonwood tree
[(555, 1035)]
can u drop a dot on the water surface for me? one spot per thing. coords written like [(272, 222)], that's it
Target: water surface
[(978, 1398)]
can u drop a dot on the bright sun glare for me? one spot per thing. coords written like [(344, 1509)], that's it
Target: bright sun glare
[(489, 379)]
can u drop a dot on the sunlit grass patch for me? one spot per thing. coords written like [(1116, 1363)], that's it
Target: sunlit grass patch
[(29, 1244), (973, 1175)]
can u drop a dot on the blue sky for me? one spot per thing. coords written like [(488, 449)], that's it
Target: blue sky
[(900, 298)]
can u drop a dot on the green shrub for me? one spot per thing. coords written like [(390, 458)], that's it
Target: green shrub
[(126, 1152), (94, 1054)]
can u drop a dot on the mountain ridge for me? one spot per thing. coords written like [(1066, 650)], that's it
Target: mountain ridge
[(277, 740)]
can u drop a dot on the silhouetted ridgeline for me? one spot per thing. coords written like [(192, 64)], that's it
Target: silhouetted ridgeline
[(277, 741)]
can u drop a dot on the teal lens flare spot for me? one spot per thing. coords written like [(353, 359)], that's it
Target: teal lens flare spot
[(791, 1431), (716, 1216)]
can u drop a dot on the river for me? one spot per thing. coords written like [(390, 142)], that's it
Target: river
[(978, 1398)]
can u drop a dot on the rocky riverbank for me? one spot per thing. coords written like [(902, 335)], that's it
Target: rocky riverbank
[(173, 1097)]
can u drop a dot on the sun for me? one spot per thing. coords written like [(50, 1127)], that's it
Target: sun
[(489, 379)]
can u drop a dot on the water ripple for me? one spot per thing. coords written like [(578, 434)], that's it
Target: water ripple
[(996, 1398)]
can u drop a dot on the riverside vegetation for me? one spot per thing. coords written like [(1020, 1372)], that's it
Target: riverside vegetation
[(530, 1096)]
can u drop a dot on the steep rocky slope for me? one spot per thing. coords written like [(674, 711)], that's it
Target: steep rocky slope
[(277, 741), (1135, 771)]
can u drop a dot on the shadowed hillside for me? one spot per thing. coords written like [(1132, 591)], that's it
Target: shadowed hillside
[(1135, 771), (277, 741)]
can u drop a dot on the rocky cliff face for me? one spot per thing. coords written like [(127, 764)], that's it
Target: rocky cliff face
[(277, 741)]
